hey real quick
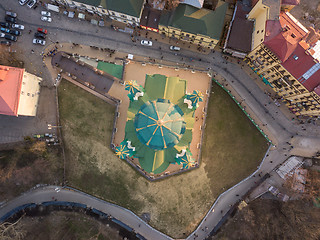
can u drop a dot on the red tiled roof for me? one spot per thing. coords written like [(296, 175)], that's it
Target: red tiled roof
[(282, 40), (282, 45), (317, 90), (273, 28), (299, 63), (10, 87)]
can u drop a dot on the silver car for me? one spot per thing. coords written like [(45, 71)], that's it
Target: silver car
[(39, 41), (46, 19), (23, 2), (17, 26), (146, 43)]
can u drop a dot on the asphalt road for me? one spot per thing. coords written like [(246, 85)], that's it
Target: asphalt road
[(305, 142)]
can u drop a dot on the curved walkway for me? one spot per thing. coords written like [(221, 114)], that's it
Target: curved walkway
[(45, 194)]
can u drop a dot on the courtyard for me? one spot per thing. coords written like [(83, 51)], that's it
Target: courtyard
[(177, 204)]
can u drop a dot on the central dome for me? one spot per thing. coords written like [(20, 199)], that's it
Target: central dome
[(159, 124)]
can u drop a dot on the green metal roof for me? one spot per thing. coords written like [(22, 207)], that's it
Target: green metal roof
[(159, 124), (129, 7), (113, 69), (95, 3), (160, 86), (197, 21)]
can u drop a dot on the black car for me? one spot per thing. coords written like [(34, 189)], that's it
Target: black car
[(15, 32), (40, 35), (10, 19), (10, 37), (5, 24), (7, 43)]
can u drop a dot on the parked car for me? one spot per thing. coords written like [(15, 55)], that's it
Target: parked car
[(18, 26), (39, 41), (40, 35), (46, 13), (2, 35), (46, 19), (11, 14), (42, 30), (15, 32), (146, 43), (31, 3), (5, 24), (10, 37), (174, 48), (23, 2), (7, 43), (10, 19), (11, 31)]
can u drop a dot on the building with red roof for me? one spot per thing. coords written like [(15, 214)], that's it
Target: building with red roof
[(19, 92), (283, 38), (288, 61)]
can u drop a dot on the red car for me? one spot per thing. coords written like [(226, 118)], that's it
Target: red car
[(42, 30)]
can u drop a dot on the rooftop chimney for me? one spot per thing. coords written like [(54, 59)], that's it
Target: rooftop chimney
[(312, 37)]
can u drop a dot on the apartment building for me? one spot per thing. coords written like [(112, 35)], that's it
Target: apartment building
[(98, 7), (288, 61), (247, 27), (197, 26), (126, 11)]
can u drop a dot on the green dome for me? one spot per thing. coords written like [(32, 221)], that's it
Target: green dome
[(159, 124)]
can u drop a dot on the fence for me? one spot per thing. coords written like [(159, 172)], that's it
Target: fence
[(244, 111)]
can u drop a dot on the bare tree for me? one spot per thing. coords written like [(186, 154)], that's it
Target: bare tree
[(10, 231)]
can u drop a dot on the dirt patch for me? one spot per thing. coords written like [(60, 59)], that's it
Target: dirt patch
[(270, 219), (64, 225), (25, 166)]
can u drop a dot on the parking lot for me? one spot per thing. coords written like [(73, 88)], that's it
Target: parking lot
[(13, 129)]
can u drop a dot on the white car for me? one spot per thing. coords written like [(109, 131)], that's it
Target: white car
[(39, 41), (174, 48), (2, 35), (146, 43), (31, 3), (23, 2), (17, 26), (46, 13), (46, 19)]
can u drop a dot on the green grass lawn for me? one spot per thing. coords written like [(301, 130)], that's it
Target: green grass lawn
[(232, 146), (177, 204)]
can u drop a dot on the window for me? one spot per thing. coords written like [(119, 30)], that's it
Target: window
[(257, 31), (187, 35), (201, 39), (103, 11), (113, 13), (292, 35)]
